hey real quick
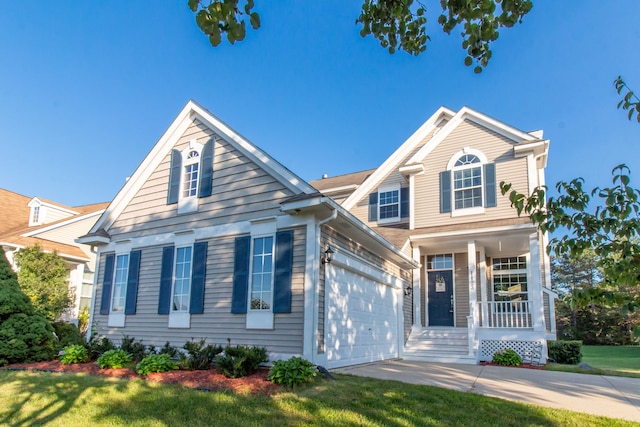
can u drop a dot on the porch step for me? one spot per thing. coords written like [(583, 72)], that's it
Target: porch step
[(444, 345)]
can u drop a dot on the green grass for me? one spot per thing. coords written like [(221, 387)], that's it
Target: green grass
[(56, 399), (621, 361)]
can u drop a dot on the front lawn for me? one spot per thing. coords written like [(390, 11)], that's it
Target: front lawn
[(28, 398), (622, 361)]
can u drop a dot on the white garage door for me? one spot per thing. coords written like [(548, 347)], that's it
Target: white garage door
[(361, 320)]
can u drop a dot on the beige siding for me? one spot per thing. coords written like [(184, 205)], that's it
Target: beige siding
[(241, 191), (68, 233), (495, 147), (217, 323), (52, 214), (461, 283)]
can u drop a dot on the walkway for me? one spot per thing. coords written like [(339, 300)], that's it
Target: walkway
[(615, 397)]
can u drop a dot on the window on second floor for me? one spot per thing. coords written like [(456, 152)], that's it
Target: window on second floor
[(191, 175), (389, 204), (468, 185)]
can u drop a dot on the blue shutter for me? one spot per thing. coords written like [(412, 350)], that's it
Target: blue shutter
[(206, 170), (404, 202), (445, 191), (241, 275), (373, 207), (174, 177), (283, 272), (107, 284), (132, 283), (198, 274), (490, 199), (166, 280)]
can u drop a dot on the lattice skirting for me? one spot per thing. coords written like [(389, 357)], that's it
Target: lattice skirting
[(489, 347)]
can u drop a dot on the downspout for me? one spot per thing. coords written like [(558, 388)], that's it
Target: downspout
[(316, 275)]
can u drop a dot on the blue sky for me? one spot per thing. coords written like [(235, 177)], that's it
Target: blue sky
[(87, 88)]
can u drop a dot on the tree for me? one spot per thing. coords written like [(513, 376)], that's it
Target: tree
[(397, 24), (43, 278), (24, 334), (630, 102)]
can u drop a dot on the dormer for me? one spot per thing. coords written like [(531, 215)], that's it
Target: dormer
[(43, 212)]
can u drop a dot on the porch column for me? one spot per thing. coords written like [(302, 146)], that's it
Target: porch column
[(483, 286), (535, 284), (417, 312), (472, 322)]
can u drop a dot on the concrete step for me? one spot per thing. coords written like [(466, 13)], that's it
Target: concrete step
[(436, 357)]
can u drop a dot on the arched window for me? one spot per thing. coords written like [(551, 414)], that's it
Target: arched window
[(190, 177), (469, 184)]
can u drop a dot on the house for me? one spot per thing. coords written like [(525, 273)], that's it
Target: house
[(213, 238), (28, 221)]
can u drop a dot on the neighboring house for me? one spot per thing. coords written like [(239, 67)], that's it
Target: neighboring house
[(28, 221), (213, 238), (484, 281)]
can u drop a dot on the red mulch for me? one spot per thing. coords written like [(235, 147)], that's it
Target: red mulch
[(524, 365), (209, 380)]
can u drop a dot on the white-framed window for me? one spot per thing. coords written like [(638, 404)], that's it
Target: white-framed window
[(261, 284), (389, 203), (440, 262), (190, 175), (510, 279), (181, 293), (119, 292), (467, 182), (36, 215)]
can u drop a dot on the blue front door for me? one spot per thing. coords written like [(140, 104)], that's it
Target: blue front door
[(440, 298)]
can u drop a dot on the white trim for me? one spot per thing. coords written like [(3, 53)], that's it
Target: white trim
[(311, 289), (116, 319), (261, 319), (500, 229), (351, 263), (67, 257), (392, 162), (467, 151), (179, 319), (417, 293), (385, 189), (62, 224), (477, 210), (37, 202), (453, 284), (344, 188), (412, 169), (412, 202)]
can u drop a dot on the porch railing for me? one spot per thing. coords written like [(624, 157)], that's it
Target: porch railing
[(505, 314)]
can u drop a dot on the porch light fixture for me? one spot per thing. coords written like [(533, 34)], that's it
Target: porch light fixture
[(326, 259), (408, 290)]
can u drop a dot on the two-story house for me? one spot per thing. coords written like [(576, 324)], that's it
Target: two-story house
[(213, 238)]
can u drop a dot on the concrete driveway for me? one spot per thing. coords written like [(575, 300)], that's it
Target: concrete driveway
[(615, 397)]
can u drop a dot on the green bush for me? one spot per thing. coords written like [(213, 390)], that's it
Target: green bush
[(137, 350), (74, 354), (565, 352), (240, 361), (199, 355), (172, 351), (291, 372), (507, 357), (98, 346), (156, 363), (24, 335), (68, 334), (114, 359)]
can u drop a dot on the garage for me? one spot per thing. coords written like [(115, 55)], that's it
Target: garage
[(361, 320)]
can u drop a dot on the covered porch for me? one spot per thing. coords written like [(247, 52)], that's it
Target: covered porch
[(476, 292)]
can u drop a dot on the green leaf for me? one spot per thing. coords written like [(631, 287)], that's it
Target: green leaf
[(254, 20)]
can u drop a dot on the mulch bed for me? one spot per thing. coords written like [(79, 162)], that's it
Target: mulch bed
[(208, 380), (524, 365)]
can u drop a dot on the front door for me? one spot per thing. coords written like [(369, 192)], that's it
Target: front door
[(440, 298)]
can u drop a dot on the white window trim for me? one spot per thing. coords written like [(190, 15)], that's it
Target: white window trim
[(524, 271), (453, 284), (384, 189), (117, 319), (190, 203), (261, 319), (181, 319), (451, 165)]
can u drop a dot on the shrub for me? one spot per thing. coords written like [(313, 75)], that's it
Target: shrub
[(240, 361), (507, 357), (24, 335), (98, 346), (291, 372), (74, 354), (156, 363), (172, 351), (83, 321), (68, 334), (137, 350), (114, 359), (565, 352), (199, 355)]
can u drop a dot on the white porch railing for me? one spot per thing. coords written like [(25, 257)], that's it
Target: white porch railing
[(505, 314)]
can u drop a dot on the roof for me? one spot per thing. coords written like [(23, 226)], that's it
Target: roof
[(13, 210), (340, 181)]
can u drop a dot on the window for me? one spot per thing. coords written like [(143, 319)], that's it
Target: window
[(468, 186), (389, 204), (440, 262), (190, 179), (121, 274), (510, 279), (467, 182), (262, 273), (36, 214), (182, 282)]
